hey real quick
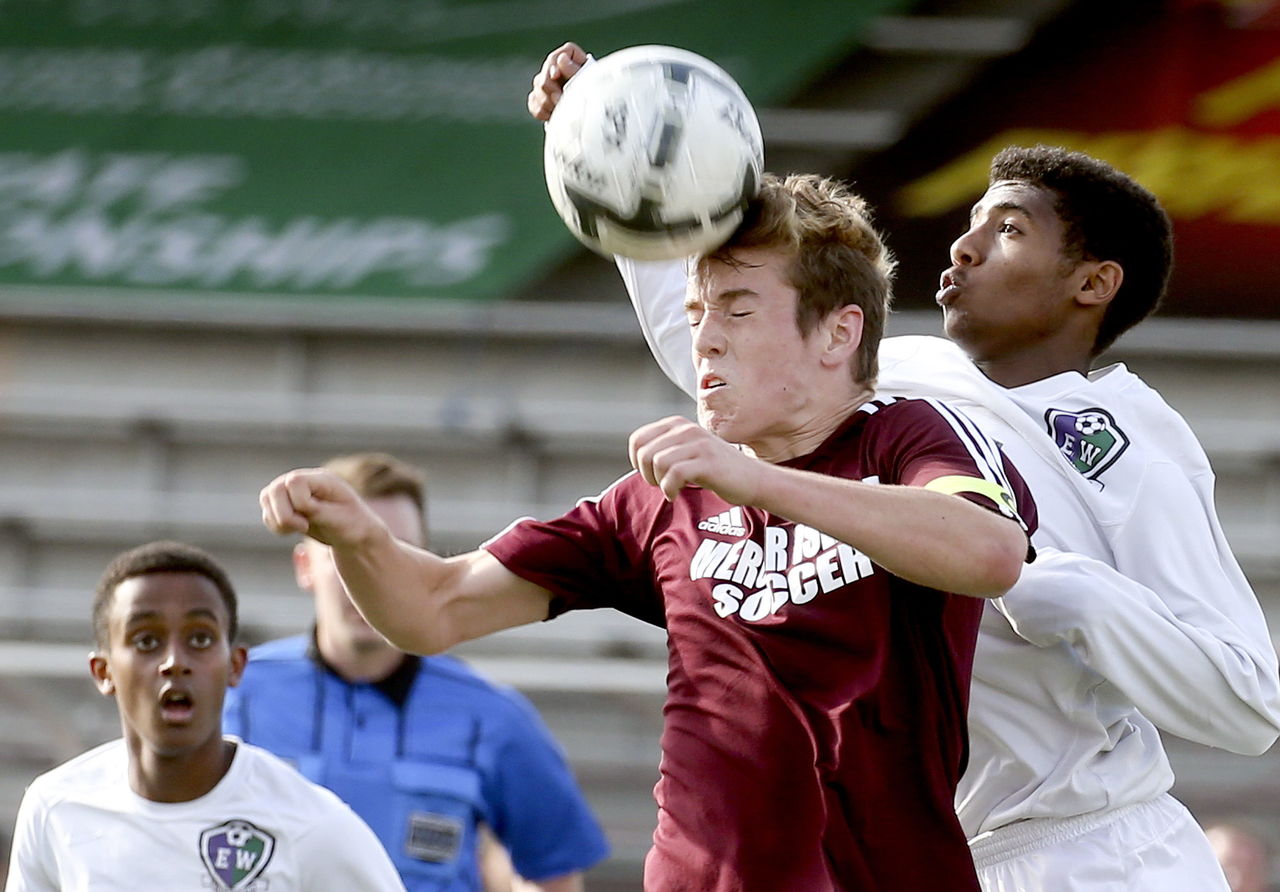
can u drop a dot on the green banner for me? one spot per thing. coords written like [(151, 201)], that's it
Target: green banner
[(323, 147)]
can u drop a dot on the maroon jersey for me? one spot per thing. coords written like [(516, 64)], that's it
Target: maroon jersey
[(814, 728)]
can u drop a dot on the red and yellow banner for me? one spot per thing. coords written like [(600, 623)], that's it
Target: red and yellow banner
[(1188, 102)]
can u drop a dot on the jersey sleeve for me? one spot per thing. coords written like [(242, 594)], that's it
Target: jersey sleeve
[(1174, 543), (536, 806), (931, 444), (657, 292), (340, 853), (31, 863), (590, 557), (1175, 625)]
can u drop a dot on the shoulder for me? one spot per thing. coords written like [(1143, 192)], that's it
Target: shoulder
[(912, 415), (630, 489), (627, 505), (103, 766), (326, 831), (280, 650), (273, 780), (448, 690), (276, 662), (905, 348), (448, 674), (1123, 392), (448, 669), (1135, 414)]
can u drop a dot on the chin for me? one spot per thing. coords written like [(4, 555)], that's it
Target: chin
[(719, 424), (956, 332), (174, 741)]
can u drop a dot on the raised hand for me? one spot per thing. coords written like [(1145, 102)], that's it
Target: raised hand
[(319, 504), (674, 453), (561, 64)]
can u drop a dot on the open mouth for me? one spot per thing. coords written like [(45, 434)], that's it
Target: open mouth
[(176, 706), (711, 382)]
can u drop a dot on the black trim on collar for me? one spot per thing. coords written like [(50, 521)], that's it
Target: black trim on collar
[(395, 687)]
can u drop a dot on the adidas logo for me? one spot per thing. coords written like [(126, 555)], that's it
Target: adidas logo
[(726, 523)]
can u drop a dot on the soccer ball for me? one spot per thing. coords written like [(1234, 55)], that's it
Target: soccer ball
[(652, 153), (1091, 424)]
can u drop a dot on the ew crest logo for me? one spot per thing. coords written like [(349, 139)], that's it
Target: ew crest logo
[(235, 853), (1090, 439)]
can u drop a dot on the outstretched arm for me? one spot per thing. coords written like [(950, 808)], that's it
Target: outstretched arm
[(656, 288), (1203, 681), (1175, 625), (419, 601), (657, 292)]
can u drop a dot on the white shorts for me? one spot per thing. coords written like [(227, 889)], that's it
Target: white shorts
[(1154, 846)]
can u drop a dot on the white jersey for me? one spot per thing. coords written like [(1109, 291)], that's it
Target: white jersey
[(263, 828), (1078, 664)]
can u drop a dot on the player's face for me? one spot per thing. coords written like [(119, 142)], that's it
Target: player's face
[(168, 662), (1010, 286), (756, 373), (338, 622)]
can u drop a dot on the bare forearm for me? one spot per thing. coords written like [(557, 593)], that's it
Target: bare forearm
[(930, 538), (399, 589), (424, 603)]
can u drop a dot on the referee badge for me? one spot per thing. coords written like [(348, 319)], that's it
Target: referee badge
[(235, 853), (433, 837), (1089, 439)]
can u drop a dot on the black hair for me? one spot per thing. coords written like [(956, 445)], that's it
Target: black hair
[(160, 557), (1106, 215)]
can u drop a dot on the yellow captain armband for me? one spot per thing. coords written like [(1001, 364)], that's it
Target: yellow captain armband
[(956, 483)]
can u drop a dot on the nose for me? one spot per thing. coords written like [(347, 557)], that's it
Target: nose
[(964, 250), (174, 663), (708, 337)]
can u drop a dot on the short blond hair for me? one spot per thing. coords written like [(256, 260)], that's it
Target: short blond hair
[(837, 257)]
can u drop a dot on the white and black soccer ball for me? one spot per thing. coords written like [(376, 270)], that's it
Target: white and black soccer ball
[(653, 153)]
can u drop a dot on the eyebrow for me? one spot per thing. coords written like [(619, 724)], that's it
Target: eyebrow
[(143, 615), (724, 297), (1002, 206)]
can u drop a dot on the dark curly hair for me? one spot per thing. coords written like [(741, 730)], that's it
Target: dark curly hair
[(1106, 216), (160, 557)]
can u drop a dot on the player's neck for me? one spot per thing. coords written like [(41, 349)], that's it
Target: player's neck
[(1034, 364), (813, 429), (1013, 358), (178, 777), (362, 662)]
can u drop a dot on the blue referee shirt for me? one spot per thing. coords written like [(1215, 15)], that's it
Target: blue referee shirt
[(422, 756)]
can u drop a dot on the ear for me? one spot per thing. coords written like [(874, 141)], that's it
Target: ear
[(239, 658), (101, 672), (302, 566), (1100, 281), (843, 331)]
